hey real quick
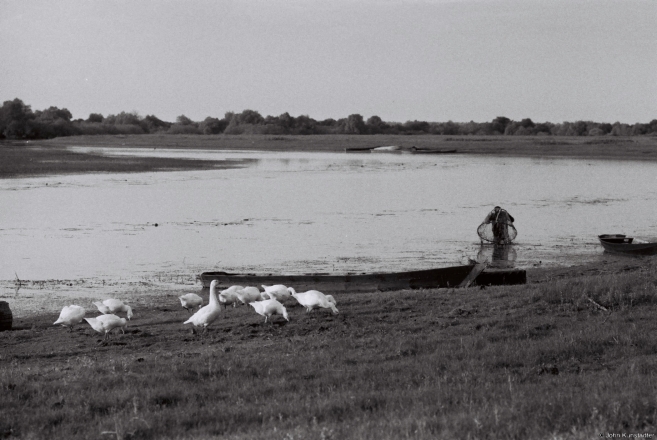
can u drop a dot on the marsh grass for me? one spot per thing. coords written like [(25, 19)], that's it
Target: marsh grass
[(534, 361)]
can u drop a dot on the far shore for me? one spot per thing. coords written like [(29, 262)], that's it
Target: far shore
[(48, 157)]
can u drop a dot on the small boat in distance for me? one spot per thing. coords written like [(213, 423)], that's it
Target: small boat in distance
[(455, 276), (396, 149), (622, 244)]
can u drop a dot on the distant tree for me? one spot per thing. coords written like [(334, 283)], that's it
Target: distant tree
[(52, 114), (16, 120), (527, 123), (250, 117), (213, 125), (619, 129), (605, 127), (152, 124), (375, 125), (416, 126), (95, 117), (354, 124), (580, 128), (304, 124), (184, 120), (499, 124), (543, 127), (125, 118), (286, 122), (653, 126), (330, 122)]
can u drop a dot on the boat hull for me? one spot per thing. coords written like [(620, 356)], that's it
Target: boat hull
[(456, 276), (621, 244)]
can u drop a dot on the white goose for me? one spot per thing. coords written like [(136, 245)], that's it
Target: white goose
[(228, 296), (315, 298), (69, 316), (106, 323), (190, 301), (206, 315), (113, 306), (249, 294), (269, 307), (278, 291)]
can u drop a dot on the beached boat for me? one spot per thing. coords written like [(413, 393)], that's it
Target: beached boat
[(395, 149), (387, 149), (455, 276), (358, 149), (414, 150), (623, 244)]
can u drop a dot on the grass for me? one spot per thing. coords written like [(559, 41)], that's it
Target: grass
[(542, 360)]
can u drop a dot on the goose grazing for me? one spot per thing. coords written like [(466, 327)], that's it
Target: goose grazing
[(113, 306), (69, 316), (269, 307), (315, 298), (207, 314), (249, 294), (106, 323), (190, 301), (278, 292), (228, 296)]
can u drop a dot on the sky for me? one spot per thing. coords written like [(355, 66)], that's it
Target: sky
[(440, 60)]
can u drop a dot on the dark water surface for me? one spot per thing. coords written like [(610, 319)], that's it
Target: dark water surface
[(294, 212)]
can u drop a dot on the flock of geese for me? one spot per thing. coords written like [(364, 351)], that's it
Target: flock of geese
[(267, 303)]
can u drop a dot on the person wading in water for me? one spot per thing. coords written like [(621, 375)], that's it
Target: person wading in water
[(501, 220)]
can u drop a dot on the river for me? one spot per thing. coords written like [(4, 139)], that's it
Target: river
[(294, 212)]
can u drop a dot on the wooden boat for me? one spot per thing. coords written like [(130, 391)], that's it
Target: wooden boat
[(395, 149), (414, 150), (623, 244), (456, 276), (359, 150)]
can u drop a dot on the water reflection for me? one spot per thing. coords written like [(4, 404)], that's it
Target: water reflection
[(497, 255)]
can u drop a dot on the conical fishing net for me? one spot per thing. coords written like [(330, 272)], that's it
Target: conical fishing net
[(497, 232)]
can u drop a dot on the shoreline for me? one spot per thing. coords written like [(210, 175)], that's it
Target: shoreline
[(51, 157), (36, 299)]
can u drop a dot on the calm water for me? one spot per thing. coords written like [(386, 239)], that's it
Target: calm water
[(316, 212)]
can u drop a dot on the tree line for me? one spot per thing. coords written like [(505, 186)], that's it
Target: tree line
[(19, 121)]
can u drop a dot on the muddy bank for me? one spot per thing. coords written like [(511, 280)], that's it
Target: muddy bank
[(21, 159), (30, 161), (31, 299)]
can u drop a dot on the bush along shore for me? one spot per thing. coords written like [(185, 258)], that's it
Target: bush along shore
[(19, 121), (572, 354)]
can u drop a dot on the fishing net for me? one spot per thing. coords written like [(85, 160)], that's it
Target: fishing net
[(496, 255), (497, 232)]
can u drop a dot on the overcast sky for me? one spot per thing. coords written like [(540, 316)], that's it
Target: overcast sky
[(460, 60)]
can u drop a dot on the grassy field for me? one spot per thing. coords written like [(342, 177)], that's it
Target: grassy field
[(50, 156), (572, 354)]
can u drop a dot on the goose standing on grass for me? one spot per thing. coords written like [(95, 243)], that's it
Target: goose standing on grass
[(69, 316), (190, 301), (113, 306), (206, 315), (249, 294), (106, 323), (269, 307), (228, 296), (315, 298), (278, 292)]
